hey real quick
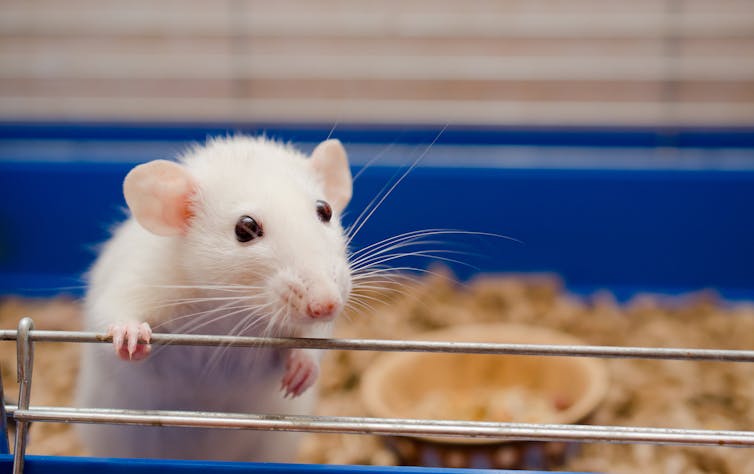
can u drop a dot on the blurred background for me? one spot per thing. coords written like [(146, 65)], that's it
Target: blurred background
[(644, 62), (614, 138)]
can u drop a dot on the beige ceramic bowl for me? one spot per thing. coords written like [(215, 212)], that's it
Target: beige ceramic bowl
[(398, 384)]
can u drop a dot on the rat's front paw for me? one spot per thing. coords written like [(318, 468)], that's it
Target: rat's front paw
[(301, 371), (126, 340)]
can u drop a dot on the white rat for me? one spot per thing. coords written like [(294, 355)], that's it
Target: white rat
[(242, 237)]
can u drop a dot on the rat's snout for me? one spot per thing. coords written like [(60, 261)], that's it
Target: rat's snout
[(323, 309), (307, 299), (323, 301)]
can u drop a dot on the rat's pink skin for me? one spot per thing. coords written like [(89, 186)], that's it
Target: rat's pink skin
[(178, 266), (323, 309), (126, 340), (301, 371), (158, 195)]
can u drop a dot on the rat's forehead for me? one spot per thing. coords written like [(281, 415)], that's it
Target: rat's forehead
[(276, 179), (230, 171), (245, 161)]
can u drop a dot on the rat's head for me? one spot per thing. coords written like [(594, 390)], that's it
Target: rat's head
[(254, 219)]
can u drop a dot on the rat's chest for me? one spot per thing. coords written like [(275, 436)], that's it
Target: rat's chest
[(213, 362), (211, 365), (207, 378)]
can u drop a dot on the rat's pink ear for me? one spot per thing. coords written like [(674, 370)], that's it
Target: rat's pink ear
[(158, 194), (330, 162)]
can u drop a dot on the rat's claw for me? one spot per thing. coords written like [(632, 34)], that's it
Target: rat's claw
[(135, 332), (117, 337), (126, 338), (300, 374)]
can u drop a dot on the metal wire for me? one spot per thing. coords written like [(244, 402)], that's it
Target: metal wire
[(23, 414), (408, 346), (25, 365), (390, 426), (4, 446)]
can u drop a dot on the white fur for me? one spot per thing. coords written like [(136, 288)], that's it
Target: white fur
[(137, 276)]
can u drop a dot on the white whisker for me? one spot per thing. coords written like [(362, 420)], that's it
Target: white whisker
[(199, 313), (200, 300), (429, 253), (350, 234), (373, 160), (224, 287), (425, 255)]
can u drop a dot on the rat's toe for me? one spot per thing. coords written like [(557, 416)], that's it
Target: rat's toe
[(126, 340), (301, 373)]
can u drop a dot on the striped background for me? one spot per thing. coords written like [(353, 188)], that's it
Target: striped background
[(639, 62)]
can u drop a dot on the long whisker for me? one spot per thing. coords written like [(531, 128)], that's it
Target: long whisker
[(196, 318), (400, 245), (378, 257), (395, 272), (384, 271), (254, 318), (219, 352), (199, 313), (332, 130), (381, 286), (202, 299), (227, 287), (210, 299), (218, 318), (239, 328), (373, 160), (361, 297), (396, 238), (351, 235), (421, 254), (360, 307), (369, 206), (418, 234)]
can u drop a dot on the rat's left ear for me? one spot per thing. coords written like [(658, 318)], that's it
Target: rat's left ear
[(330, 162)]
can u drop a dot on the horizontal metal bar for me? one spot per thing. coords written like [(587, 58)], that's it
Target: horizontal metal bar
[(408, 346), (384, 426), (12, 409)]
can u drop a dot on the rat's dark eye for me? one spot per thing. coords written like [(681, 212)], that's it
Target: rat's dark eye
[(247, 229), (324, 211)]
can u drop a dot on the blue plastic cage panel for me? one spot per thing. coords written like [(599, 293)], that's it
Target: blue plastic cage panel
[(73, 465), (623, 215), (629, 210)]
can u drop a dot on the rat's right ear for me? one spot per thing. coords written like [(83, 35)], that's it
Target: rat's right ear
[(330, 162), (158, 194)]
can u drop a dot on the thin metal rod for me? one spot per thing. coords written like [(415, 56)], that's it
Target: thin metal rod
[(12, 409), (4, 445), (380, 426), (25, 359), (718, 355), (355, 425)]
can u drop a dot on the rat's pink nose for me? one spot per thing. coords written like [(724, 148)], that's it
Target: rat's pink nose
[(323, 309)]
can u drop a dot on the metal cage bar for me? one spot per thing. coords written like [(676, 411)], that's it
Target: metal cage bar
[(25, 366), (4, 446), (715, 355), (23, 414), (389, 426)]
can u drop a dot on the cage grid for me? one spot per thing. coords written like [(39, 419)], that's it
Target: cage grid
[(24, 413)]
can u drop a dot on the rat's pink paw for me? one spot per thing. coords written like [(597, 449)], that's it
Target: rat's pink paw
[(301, 371), (126, 340)]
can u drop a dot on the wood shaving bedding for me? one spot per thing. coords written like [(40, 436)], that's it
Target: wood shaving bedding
[(685, 394)]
